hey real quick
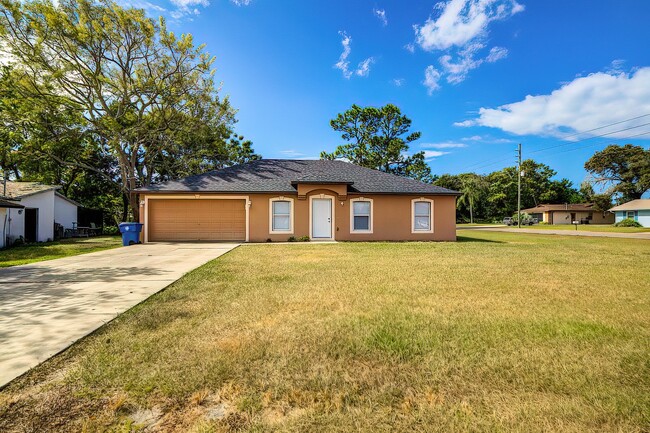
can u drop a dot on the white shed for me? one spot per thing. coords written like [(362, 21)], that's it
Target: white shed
[(43, 206)]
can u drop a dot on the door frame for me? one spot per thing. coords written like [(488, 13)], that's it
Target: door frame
[(36, 213), (311, 217), (247, 205)]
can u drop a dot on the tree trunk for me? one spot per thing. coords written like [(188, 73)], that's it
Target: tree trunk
[(471, 214)]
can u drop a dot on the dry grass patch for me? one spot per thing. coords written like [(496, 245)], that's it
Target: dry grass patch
[(491, 333)]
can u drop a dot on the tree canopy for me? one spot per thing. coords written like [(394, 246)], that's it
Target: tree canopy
[(624, 170), (379, 138), (104, 89)]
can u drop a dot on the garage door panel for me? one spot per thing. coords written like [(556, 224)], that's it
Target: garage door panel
[(197, 220)]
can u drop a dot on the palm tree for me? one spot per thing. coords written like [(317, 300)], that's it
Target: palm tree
[(473, 186)]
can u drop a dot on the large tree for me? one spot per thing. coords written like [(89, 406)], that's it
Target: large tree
[(379, 138), (624, 170), (145, 95)]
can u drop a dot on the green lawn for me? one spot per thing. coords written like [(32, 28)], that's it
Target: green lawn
[(55, 250), (589, 228), (492, 333)]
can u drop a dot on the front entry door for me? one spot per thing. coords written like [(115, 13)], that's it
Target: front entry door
[(321, 218)]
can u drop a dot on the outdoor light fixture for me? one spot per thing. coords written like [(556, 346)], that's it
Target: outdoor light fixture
[(20, 211)]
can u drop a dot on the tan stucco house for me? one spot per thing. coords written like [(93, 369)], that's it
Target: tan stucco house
[(584, 213), (277, 199)]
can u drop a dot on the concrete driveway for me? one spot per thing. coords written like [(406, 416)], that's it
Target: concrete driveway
[(46, 306)]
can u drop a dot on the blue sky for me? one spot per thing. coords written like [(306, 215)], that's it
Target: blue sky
[(476, 76)]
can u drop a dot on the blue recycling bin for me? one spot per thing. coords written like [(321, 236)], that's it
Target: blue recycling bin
[(130, 233)]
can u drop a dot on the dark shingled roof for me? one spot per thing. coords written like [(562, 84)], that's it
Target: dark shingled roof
[(281, 176)]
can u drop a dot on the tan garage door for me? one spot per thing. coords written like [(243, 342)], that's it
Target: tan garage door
[(196, 220)]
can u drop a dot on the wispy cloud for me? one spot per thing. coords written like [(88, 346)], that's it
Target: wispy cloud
[(431, 78), (381, 16), (241, 2), (460, 30), (410, 47), (429, 154), (399, 82), (362, 69), (583, 104), (462, 21), (446, 145)]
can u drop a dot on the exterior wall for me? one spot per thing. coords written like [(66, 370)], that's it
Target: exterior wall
[(641, 216), (44, 202), (65, 213), (391, 216), (564, 217), (3, 226)]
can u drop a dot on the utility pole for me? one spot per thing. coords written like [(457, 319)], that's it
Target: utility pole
[(519, 185)]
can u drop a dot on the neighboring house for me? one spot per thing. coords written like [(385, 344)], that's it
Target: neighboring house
[(567, 213), (43, 207), (277, 199), (5, 206), (638, 210)]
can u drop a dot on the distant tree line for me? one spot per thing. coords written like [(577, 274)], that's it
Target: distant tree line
[(379, 138), (102, 100)]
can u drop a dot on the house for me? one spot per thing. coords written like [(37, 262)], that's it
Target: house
[(585, 213), (5, 206), (638, 210), (275, 199), (42, 207)]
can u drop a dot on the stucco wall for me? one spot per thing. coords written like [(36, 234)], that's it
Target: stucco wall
[(391, 214), (391, 218), (65, 213), (564, 217)]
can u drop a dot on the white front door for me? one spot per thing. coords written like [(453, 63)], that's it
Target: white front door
[(321, 218)]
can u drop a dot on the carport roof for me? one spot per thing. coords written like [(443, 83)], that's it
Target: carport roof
[(282, 176)]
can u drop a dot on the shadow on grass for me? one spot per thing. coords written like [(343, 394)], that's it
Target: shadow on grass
[(469, 239)]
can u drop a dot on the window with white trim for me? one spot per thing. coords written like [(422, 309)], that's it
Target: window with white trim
[(422, 215), (630, 214), (361, 218), (281, 215)]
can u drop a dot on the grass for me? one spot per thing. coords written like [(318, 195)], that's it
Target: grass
[(589, 228), (492, 333), (31, 253)]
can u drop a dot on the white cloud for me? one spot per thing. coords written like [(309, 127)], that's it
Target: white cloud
[(428, 154), (344, 64), (431, 78), (462, 21), (241, 2), (363, 68), (410, 48), (399, 82), (496, 54), (447, 145), (461, 32), (585, 103), (381, 16)]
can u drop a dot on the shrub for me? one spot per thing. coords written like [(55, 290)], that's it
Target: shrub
[(303, 239), (291, 239), (111, 230), (627, 222)]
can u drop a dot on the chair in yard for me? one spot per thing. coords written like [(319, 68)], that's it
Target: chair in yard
[(94, 230)]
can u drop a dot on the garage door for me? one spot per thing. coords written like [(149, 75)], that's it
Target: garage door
[(196, 220)]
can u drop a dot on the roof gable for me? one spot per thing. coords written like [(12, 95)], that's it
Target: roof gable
[(282, 176), (639, 204)]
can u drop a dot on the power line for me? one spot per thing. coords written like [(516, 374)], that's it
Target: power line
[(493, 162)]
